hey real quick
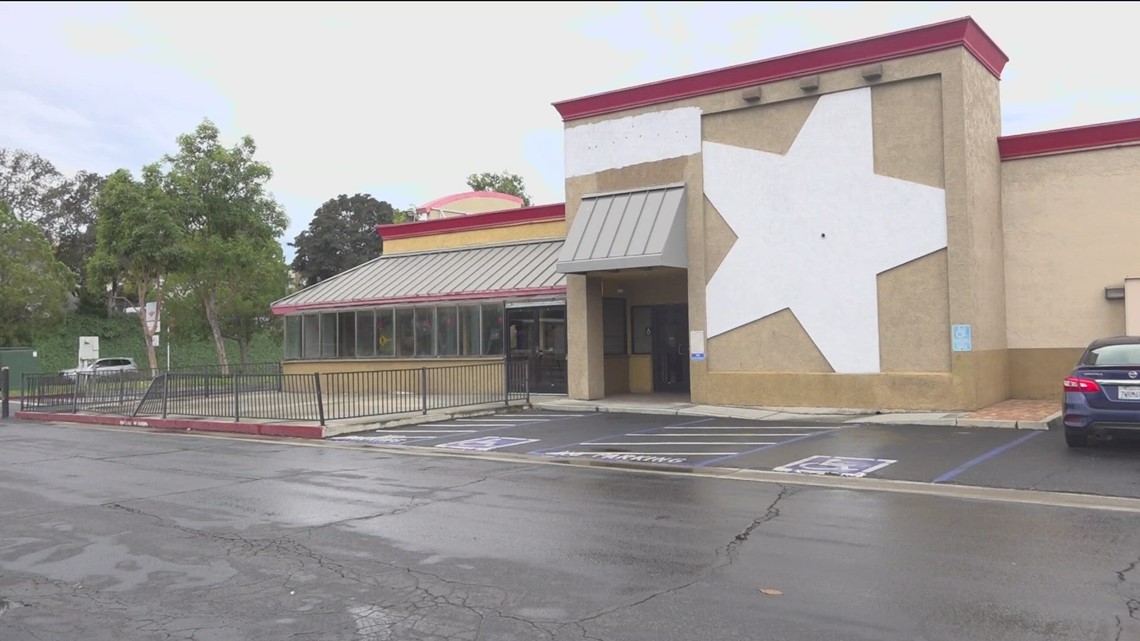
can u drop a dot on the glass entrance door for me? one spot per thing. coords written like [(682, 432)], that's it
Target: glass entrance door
[(537, 336), (671, 348)]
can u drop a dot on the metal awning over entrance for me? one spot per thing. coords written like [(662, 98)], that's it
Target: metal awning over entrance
[(491, 271), (627, 230)]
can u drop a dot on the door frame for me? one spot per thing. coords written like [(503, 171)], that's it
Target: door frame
[(658, 353)]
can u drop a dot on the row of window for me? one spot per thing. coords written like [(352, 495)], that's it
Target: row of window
[(437, 330), (400, 332)]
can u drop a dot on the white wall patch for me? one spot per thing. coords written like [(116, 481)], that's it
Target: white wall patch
[(633, 140), (815, 228)]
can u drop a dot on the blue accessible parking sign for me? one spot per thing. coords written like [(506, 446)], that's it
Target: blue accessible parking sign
[(838, 465)]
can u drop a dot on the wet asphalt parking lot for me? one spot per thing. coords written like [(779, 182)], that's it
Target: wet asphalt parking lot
[(111, 534), (989, 457)]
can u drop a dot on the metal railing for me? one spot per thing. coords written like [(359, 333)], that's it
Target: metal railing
[(274, 395)]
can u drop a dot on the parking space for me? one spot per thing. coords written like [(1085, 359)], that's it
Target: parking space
[(972, 456)]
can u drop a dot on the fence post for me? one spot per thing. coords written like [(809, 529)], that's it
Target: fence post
[(423, 388), (165, 392), (320, 398), (237, 397), (5, 390), (122, 378), (75, 394), (526, 377), (507, 381)]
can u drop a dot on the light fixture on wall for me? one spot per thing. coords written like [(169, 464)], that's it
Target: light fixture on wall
[(1114, 293), (809, 84), (872, 72), (751, 94)]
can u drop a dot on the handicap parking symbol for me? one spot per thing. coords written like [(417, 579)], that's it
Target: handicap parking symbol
[(486, 443), (838, 465)]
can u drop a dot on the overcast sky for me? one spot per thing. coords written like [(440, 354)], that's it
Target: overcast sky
[(403, 101)]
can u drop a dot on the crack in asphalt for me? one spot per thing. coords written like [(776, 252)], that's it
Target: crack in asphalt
[(726, 556), (1131, 566)]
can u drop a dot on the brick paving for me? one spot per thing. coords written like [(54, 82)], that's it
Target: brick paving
[(1016, 410)]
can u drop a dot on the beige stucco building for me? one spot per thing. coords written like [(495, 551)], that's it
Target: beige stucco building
[(844, 227)]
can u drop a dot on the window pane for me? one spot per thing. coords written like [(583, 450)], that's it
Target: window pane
[(447, 331), (405, 332), (365, 334), (552, 325), (328, 335), (613, 326), (493, 329), (346, 334), (642, 330), (425, 331), (292, 337), (469, 330), (385, 333), (311, 347)]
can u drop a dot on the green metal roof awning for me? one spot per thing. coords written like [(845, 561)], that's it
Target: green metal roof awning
[(627, 230)]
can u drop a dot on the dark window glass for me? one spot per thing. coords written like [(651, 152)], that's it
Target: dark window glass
[(493, 344), (311, 347), (365, 334), (346, 334), (405, 332), (292, 337), (613, 326), (642, 339)]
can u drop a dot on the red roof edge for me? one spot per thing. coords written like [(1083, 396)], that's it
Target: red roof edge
[(935, 37), (1056, 141), (522, 216), (440, 202), (428, 298)]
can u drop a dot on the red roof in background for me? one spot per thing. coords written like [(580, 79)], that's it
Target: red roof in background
[(963, 32), (538, 213), (1056, 141)]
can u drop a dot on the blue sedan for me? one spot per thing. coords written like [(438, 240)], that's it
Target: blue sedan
[(1102, 394)]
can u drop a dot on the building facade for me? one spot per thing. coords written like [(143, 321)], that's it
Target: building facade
[(843, 227)]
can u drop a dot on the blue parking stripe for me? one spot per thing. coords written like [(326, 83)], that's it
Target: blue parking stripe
[(984, 457), (766, 447)]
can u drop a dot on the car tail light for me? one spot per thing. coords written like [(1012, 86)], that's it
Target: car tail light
[(1074, 384)]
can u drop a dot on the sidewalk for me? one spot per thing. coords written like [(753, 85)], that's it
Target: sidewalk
[(1013, 414)]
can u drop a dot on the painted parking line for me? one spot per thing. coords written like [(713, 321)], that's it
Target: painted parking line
[(417, 436), (643, 443), (729, 457), (600, 440), (751, 427), (985, 457), (703, 434)]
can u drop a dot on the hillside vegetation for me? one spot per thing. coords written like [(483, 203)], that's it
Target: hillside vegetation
[(123, 336)]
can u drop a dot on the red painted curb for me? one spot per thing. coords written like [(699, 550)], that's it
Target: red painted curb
[(255, 429)]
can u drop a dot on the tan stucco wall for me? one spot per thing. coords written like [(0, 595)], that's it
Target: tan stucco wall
[(404, 375), (486, 236), (1055, 303), (937, 119)]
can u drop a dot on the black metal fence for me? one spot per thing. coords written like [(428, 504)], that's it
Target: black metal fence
[(245, 393)]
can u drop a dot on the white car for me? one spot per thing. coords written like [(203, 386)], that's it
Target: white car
[(104, 367)]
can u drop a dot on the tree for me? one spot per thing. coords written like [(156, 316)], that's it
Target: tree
[(228, 211), (69, 220), (138, 243), (25, 181), (504, 183), (243, 304), (33, 285), (341, 235)]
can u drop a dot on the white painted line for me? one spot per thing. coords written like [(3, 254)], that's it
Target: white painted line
[(748, 427), (688, 443), (577, 453), (435, 431), (439, 425), (488, 424), (499, 420), (672, 434), (552, 415)]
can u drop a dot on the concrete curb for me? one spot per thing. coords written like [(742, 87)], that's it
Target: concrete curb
[(182, 424), (419, 419)]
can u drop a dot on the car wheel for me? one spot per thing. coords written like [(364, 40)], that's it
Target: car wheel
[(1076, 440)]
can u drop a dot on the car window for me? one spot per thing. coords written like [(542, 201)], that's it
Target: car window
[(1113, 355)]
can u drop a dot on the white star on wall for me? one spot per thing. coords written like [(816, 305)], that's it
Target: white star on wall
[(814, 228)]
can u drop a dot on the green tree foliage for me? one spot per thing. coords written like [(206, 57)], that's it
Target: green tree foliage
[(230, 218), (504, 183), (26, 179), (139, 242), (342, 235), (34, 286), (243, 304), (70, 221)]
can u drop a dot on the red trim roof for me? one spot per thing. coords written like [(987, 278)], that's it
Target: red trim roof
[(446, 200), (1059, 141), (963, 32), (435, 298), (506, 217)]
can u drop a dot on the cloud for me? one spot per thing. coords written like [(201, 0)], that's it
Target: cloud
[(404, 100)]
